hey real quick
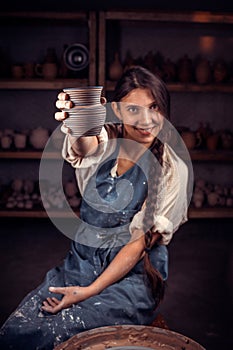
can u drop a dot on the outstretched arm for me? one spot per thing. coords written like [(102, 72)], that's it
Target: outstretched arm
[(123, 262)]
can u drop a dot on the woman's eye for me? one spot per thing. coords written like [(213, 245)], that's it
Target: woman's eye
[(155, 107), (133, 109)]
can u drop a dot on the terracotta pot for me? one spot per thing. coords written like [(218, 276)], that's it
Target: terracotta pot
[(203, 72), (115, 68), (190, 139), (48, 70), (39, 137), (220, 71), (212, 142), (185, 69)]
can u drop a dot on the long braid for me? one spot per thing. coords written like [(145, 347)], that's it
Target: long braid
[(154, 278)]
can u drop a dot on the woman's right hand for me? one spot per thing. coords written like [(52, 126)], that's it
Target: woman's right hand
[(62, 102)]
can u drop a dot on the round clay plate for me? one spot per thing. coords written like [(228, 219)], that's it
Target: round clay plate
[(129, 338)]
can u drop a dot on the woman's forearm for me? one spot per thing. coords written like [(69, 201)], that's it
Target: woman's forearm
[(124, 261), (85, 145)]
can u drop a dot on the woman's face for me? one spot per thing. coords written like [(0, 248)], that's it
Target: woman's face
[(140, 115)]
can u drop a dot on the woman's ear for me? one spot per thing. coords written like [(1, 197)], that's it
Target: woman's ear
[(116, 110)]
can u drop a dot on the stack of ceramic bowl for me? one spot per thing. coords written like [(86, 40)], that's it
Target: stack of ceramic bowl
[(88, 115)]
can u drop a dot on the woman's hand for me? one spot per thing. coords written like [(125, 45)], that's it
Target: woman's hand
[(62, 102), (72, 295)]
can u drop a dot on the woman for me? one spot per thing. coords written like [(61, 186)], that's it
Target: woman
[(115, 270)]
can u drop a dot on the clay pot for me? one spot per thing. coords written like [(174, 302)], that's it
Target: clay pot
[(203, 72), (6, 141), (190, 139), (212, 142), (115, 68), (213, 199), (169, 71), (39, 137), (220, 71), (185, 69), (20, 140), (48, 70)]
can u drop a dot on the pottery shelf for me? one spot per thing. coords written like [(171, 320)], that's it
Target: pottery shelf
[(195, 155), (190, 87), (41, 84), (29, 155), (193, 213), (168, 16), (35, 214), (210, 213), (86, 19), (184, 18)]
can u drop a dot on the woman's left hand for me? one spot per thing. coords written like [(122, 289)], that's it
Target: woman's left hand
[(72, 295)]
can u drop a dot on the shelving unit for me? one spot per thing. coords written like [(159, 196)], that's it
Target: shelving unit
[(98, 76), (195, 17), (87, 19)]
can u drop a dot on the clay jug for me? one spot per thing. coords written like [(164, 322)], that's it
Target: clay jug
[(212, 142), (185, 69), (190, 139), (115, 68), (203, 72), (220, 71)]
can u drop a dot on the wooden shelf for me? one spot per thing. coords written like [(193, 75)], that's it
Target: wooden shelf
[(211, 156), (45, 15), (195, 155), (35, 214), (40, 84), (164, 16), (210, 213), (202, 213), (29, 155), (191, 87)]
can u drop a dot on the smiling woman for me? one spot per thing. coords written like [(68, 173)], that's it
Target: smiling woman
[(135, 193)]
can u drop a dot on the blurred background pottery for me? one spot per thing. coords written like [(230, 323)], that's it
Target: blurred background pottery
[(203, 72), (39, 137), (190, 139), (115, 68), (220, 71), (17, 71), (6, 141), (20, 140), (185, 69), (47, 70), (212, 142)]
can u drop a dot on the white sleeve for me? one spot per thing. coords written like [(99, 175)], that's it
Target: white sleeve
[(172, 199)]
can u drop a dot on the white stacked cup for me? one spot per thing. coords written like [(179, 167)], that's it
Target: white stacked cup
[(88, 115)]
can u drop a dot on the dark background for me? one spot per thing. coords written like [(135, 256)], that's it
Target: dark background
[(71, 5), (198, 301)]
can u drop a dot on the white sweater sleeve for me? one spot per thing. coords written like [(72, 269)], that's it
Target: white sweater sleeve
[(172, 199)]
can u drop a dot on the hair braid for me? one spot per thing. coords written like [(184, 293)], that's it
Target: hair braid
[(153, 276)]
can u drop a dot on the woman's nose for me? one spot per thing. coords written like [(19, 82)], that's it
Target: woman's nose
[(146, 116)]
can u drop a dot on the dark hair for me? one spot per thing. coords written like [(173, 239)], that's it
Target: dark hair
[(140, 77)]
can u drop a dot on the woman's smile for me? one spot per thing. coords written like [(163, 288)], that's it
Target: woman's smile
[(140, 115)]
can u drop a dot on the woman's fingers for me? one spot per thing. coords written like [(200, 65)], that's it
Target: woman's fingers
[(60, 116), (58, 290), (64, 104), (63, 96)]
